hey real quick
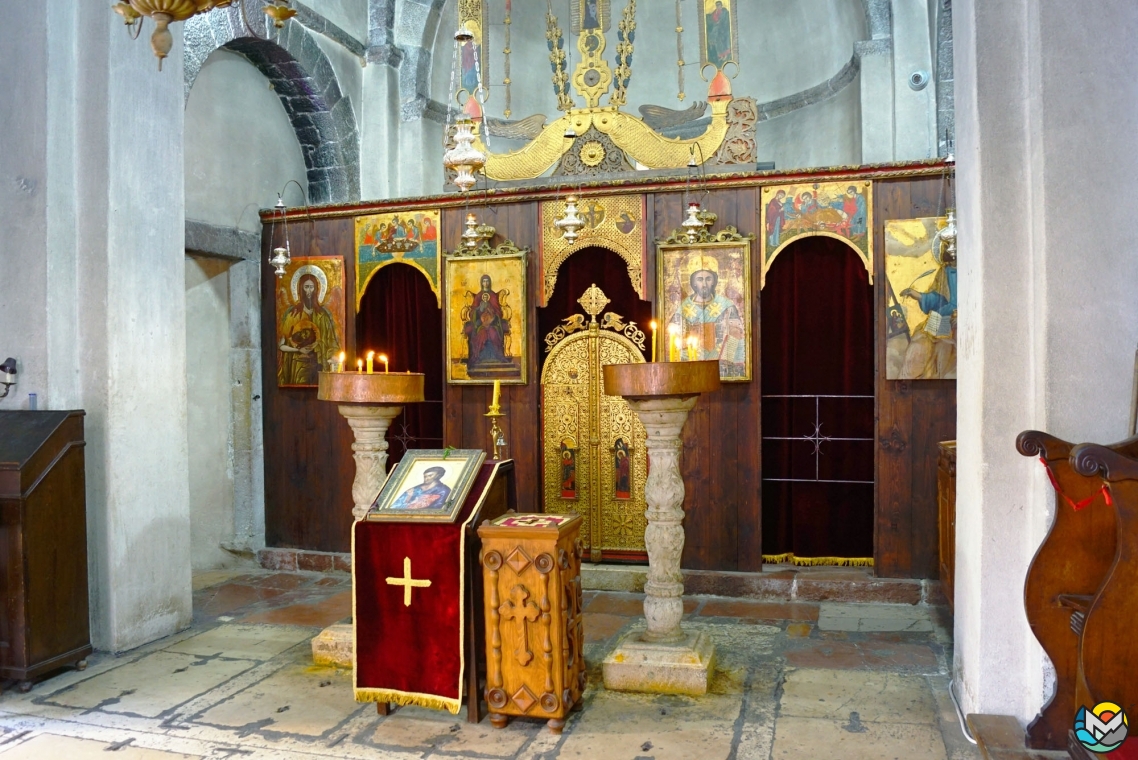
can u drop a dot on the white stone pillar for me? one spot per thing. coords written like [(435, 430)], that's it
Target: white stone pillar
[(369, 423), (1046, 172)]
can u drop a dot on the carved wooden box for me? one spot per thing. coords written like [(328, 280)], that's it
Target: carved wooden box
[(531, 571)]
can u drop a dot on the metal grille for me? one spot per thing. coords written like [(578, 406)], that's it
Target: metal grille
[(815, 438)]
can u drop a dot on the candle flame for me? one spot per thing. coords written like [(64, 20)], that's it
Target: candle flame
[(370, 355), (383, 357)]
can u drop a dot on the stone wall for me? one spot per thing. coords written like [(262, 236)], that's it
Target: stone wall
[(1048, 318)]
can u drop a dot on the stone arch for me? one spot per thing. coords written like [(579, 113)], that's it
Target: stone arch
[(303, 78)]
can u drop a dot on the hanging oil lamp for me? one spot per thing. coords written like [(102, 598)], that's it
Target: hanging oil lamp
[(694, 224), (464, 158), (570, 221)]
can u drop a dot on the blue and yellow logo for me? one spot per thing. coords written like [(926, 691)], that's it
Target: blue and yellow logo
[(1102, 729)]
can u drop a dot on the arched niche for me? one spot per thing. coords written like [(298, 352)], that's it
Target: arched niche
[(398, 315), (818, 381), (593, 264)]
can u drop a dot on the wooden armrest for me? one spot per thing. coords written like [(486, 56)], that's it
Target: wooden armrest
[(1089, 459), (1035, 443)]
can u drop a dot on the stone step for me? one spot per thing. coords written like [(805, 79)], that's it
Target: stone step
[(775, 582)]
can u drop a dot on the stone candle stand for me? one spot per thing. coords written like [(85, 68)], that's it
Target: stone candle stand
[(369, 402), (663, 658)]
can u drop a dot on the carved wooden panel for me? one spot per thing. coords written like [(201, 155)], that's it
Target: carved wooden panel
[(531, 571)]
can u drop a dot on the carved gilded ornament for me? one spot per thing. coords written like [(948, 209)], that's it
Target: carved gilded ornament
[(615, 223), (592, 78), (577, 416)]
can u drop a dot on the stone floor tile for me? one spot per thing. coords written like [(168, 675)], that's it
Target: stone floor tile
[(216, 577), (799, 630), (226, 598), (51, 747), (283, 580), (874, 617), (812, 738), (875, 697), (665, 728), (601, 626), (318, 614), (419, 728), (620, 603), (151, 685), (825, 654), (247, 642), (616, 603), (914, 658), (754, 610), (297, 700)]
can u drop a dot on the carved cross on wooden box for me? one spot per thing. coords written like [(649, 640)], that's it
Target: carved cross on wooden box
[(531, 571)]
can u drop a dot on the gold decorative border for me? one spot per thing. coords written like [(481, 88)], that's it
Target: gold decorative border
[(432, 701), (632, 247)]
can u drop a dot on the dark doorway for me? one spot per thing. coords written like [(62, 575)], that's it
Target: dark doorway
[(400, 316), (584, 268), (818, 402)]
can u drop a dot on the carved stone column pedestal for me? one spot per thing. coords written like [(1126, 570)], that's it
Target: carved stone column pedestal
[(369, 425), (662, 658)]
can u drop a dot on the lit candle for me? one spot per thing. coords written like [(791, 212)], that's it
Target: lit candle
[(497, 394), (652, 324), (360, 366), (370, 358), (693, 348), (383, 358), (673, 343), (342, 357)]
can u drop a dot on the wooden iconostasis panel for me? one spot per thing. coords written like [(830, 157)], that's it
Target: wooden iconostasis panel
[(308, 460)]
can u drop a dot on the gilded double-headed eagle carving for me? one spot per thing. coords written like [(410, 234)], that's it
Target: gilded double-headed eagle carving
[(639, 138)]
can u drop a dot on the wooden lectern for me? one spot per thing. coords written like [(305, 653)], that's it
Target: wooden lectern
[(43, 544), (531, 568)]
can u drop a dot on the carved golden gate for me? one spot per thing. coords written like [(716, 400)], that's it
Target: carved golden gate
[(595, 461)]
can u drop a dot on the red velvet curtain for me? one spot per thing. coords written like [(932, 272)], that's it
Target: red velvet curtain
[(582, 269), (400, 316), (817, 340)]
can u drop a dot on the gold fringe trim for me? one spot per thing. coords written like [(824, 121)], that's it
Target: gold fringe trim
[(394, 696), (790, 559)]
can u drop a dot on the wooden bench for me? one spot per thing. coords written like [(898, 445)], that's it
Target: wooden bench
[(1108, 648), (1068, 570)]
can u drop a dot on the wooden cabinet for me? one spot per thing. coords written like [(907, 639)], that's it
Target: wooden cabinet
[(946, 499), (531, 573), (43, 544)]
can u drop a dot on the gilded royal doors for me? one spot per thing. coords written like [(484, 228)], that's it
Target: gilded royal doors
[(594, 456)]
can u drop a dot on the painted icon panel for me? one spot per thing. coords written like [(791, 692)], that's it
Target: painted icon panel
[(406, 237), (486, 317), (703, 293), (920, 302), (310, 318)]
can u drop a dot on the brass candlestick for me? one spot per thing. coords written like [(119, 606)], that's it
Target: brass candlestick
[(497, 437)]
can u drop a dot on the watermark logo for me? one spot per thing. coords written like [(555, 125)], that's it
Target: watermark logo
[(1103, 728)]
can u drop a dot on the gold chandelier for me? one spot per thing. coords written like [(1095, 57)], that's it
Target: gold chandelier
[(165, 12)]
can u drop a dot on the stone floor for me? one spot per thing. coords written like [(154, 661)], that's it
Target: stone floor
[(793, 680)]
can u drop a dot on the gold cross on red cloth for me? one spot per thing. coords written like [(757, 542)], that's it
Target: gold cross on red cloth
[(407, 582)]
